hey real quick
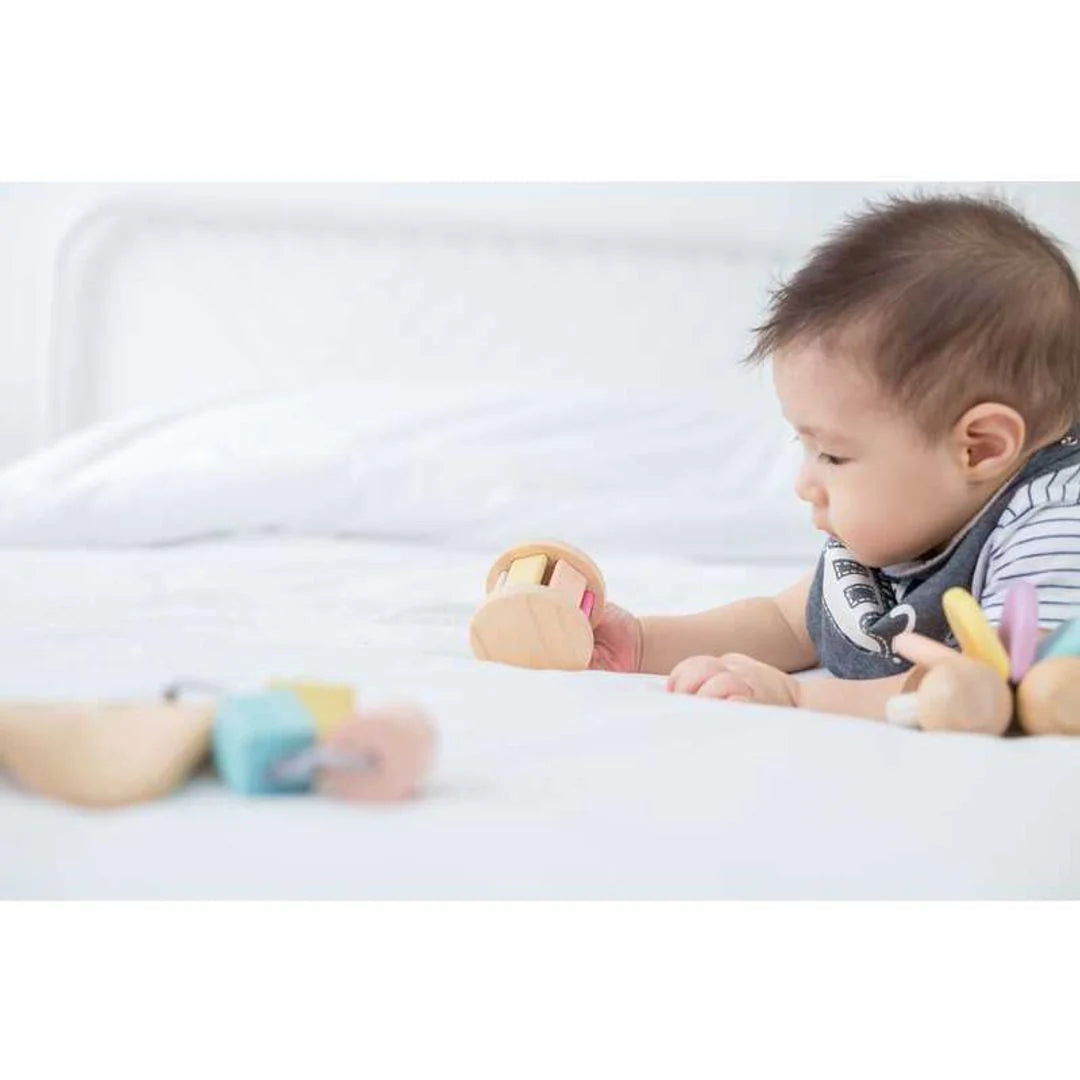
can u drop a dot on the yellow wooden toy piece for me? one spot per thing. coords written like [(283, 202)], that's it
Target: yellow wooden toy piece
[(536, 612), (529, 570), (329, 704), (977, 637)]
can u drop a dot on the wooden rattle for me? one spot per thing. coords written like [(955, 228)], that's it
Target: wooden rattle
[(292, 737), (975, 691), (1048, 700), (957, 694), (543, 600)]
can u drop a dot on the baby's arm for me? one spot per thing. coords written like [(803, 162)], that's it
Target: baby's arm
[(737, 677), (855, 697), (771, 629), (746, 650)]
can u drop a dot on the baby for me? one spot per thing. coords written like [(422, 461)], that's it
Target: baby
[(928, 357)]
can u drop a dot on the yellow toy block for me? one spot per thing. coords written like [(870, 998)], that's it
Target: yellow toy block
[(330, 704), (527, 571)]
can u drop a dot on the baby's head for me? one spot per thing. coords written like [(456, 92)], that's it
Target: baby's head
[(922, 354)]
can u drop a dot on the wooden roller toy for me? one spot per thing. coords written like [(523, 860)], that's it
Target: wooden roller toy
[(292, 737), (543, 600)]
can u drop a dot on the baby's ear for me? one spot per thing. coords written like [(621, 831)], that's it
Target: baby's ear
[(990, 439)]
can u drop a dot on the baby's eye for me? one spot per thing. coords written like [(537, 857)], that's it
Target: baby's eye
[(828, 459)]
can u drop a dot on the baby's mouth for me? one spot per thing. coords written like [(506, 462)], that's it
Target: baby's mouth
[(821, 526)]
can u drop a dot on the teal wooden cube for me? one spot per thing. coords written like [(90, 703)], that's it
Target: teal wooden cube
[(254, 735)]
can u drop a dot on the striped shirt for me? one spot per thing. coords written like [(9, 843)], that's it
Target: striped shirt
[(1036, 538)]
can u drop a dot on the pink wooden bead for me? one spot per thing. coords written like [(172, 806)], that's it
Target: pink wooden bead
[(398, 741)]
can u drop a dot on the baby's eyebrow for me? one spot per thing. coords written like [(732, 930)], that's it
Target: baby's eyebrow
[(820, 433)]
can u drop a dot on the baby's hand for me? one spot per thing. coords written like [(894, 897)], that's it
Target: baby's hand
[(734, 677), (617, 641)]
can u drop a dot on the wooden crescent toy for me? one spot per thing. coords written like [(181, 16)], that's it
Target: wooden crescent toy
[(98, 754), (543, 600), (292, 737)]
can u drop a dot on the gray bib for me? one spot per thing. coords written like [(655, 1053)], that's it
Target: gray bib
[(853, 612)]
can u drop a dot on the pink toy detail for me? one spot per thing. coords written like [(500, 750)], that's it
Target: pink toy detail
[(385, 754), (587, 602), (1020, 627)]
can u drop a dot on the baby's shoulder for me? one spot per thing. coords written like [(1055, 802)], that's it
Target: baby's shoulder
[(1047, 502)]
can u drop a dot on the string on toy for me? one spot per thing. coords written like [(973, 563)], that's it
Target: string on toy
[(301, 765), (200, 687)]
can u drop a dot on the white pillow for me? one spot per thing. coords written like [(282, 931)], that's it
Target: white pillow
[(615, 470)]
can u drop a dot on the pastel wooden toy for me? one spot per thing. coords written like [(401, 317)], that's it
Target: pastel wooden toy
[(1048, 700), (270, 743), (957, 694), (104, 754), (255, 735), (974, 632), (382, 756), (543, 600), (292, 737), (966, 694), (1064, 641), (527, 570), (1020, 628), (329, 704)]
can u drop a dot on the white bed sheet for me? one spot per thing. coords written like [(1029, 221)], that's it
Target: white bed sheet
[(548, 785)]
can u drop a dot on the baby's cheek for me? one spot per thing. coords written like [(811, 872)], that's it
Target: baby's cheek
[(863, 524)]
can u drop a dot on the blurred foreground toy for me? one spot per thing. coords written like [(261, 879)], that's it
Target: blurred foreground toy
[(293, 737), (103, 754), (273, 742), (995, 675), (543, 600)]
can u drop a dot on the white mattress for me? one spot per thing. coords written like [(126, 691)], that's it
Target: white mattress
[(548, 785)]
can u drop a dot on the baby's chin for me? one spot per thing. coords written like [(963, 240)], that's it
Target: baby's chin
[(873, 560)]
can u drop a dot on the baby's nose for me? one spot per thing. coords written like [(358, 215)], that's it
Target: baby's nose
[(806, 489), (809, 491)]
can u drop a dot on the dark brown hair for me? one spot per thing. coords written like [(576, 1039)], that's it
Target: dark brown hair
[(949, 301)]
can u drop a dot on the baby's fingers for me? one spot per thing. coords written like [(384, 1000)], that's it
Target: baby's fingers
[(727, 686), (688, 675)]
